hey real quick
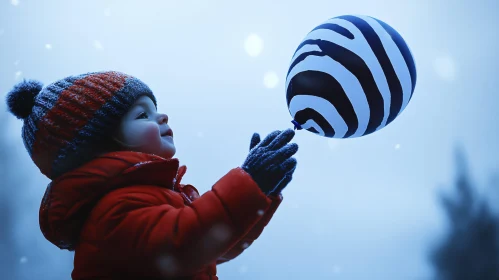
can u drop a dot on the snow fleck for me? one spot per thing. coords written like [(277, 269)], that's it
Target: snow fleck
[(333, 143), (253, 45), (48, 46), (98, 45), (445, 67), (23, 260), (270, 79), (17, 62), (260, 212), (243, 269), (217, 237), (107, 12), (167, 265), (245, 245), (397, 146), (200, 134), (336, 269), (18, 75), (14, 2), (220, 233), (1, 32)]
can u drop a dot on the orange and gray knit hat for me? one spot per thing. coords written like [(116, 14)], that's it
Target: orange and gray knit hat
[(65, 122)]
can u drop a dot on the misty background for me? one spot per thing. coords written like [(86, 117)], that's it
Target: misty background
[(364, 208)]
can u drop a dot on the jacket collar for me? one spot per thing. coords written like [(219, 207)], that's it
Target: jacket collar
[(69, 198)]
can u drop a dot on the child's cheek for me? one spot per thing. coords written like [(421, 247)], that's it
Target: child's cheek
[(143, 134), (151, 134)]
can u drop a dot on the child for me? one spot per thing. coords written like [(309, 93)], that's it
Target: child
[(115, 197)]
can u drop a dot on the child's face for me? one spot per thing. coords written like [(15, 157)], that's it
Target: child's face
[(142, 129)]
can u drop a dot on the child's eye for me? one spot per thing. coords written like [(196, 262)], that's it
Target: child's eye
[(142, 115)]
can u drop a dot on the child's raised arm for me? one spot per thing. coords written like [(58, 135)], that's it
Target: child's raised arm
[(187, 238), (154, 224), (254, 233)]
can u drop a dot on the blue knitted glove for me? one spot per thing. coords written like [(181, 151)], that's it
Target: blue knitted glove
[(287, 177), (269, 162)]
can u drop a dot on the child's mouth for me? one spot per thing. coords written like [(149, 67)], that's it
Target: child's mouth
[(169, 132)]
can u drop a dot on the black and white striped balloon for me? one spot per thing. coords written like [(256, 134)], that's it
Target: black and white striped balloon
[(350, 76)]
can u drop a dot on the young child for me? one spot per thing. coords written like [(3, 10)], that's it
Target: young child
[(115, 196)]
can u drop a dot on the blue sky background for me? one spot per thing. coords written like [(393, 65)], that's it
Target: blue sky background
[(363, 208)]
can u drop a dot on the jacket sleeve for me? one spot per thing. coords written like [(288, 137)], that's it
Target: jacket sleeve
[(191, 237), (254, 233)]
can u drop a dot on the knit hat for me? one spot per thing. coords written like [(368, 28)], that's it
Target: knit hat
[(65, 122)]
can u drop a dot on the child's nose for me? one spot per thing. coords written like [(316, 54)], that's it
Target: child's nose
[(163, 118)]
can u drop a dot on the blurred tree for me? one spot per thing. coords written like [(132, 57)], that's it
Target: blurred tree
[(9, 257), (470, 250)]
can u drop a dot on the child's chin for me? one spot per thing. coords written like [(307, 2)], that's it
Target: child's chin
[(169, 153)]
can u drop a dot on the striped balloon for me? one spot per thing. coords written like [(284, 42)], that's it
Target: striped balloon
[(350, 76)]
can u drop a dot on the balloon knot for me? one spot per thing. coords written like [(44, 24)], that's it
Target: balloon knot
[(297, 125)]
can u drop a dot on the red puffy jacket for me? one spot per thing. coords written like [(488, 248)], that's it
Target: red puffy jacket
[(126, 216)]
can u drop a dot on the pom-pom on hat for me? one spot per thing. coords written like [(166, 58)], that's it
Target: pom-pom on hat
[(65, 121), (22, 98)]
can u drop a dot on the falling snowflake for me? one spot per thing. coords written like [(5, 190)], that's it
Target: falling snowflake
[(333, 143), (219, 233), (445, 67), (245, 245), (200, 134), (16, 63), (397, 146), (48, 46), (1, 32), (18, 75), (14, 2), (336, 269), (167, 265), (23, 260), (253, 45), (270, 80), (243, 269), (107, 12), (260, 212), (98, 45)]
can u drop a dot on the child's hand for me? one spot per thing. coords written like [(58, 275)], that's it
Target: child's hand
[(255, 139), (269, 162)]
